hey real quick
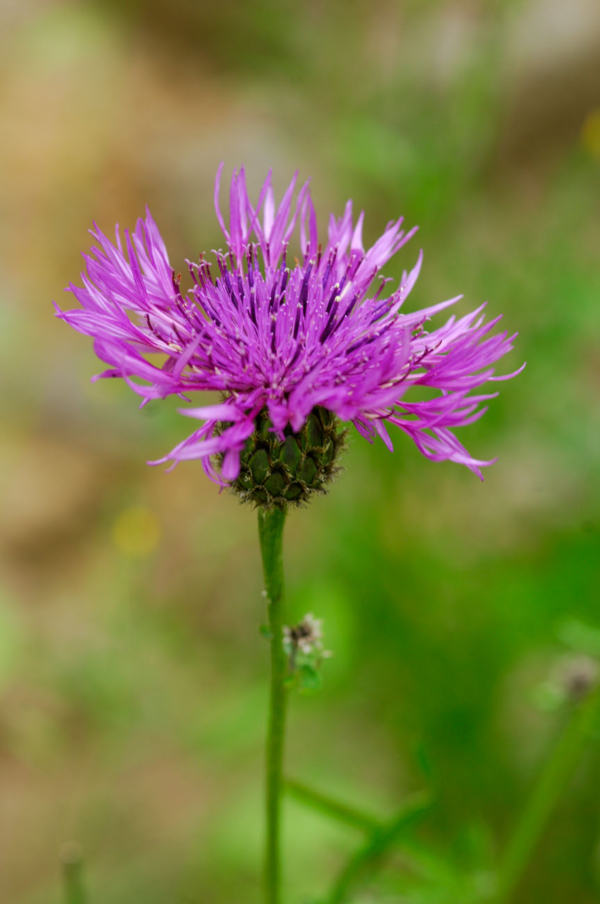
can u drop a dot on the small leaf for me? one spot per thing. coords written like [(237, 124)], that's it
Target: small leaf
[(580, 637), (310, 680), (290, 681)]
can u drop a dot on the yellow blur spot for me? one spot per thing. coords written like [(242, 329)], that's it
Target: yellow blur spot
[(137, 531), (590, 134)]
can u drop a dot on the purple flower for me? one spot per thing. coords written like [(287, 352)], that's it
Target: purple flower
[(285, 336)]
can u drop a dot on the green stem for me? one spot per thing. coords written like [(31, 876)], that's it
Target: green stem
[(338, 810), (421, 860), (270, 529), (72, 869), (366, 860), (544, 796)]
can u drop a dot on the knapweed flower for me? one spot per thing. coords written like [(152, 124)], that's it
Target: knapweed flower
[(294, 345)]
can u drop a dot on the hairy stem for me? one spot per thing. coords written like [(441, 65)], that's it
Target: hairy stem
[(270, 529), (544, 796)]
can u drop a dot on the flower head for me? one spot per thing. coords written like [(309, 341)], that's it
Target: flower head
[(303, 644), (280, 338), (307, 635)]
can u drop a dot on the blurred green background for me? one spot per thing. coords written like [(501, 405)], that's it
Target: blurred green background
[(133, 677)]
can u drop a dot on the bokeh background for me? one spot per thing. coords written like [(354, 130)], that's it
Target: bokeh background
[(133, 676)]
